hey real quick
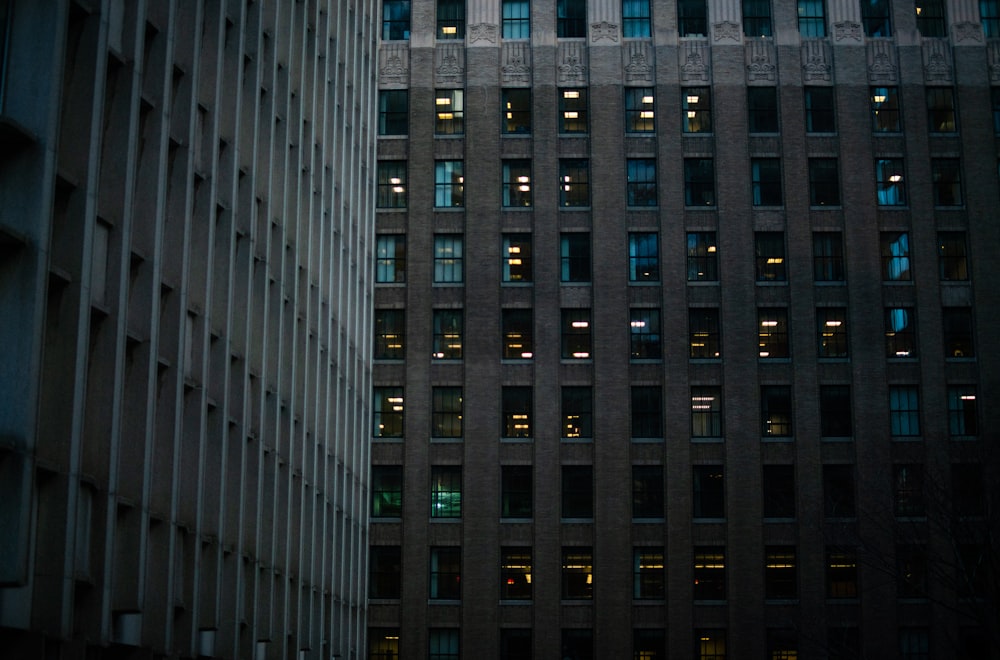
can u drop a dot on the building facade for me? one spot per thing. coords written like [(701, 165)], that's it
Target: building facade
[(186, 228), (683, 324)]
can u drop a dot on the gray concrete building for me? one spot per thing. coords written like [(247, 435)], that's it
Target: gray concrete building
[(186, 239), (683, 330)]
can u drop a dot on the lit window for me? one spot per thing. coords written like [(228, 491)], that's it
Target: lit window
[(516, 16), (574, 182), (699, 182), (706, 412), (516, 412), (828, 256), (577, 573), (702, 257), (766, 179), (904, 410), (762, 109), (577, 412), (782, 644), (838, 491), (516, 111), (640, 186), (952, 258), (446, 412), (710, 644), (643, 257), (710, 573), (517, 326), (447, 339), (778, 485), (647, 492), (772, 332), (780, 580), (516, 266), (885, 110), (515, 573), (574, 254), (515, 491), (824, 182), (757, 18), (831, 330), (644, 327), (577, 491), (391, 184), (392, 112), (958, 332), (836, 419), (647, 412), (876, 18), (820, 114), (635, 18), (941, 117), (640, 114), (395, 20), (708, 485), (769, 256), (383, 643), (448, 261), (449, 183), (775, 411), (930, 18), (900, 332), (963, 411), (390, 258), (446, 491), (571, 18), (692, 18), (387, 491), (841, 573), (450, 19), (908, 491), (946, 181), (703, 333), (390, 331), (576, 334), (446, 574), (696, 110), (649, 573), (387, 412), (895, 249), (384, 571), (572, 110), (516, 182), (812, 19), (449, 109)]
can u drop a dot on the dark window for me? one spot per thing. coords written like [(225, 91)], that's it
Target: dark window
[(757, 18), (516, 402), (941, 116), (395, 19), (890, 182), (835, 411), (699, 182), (838, 491), (387, 491), (577, 573), (824, 182), (649, 644), (776, 411), (640, 114), (446, 491), (904, 410), (390, 330), (574, 182), (516, 19), (708, 491), (911, 571), (647, 491), (908, 491), (930, 18), (946, 181), (516, 265), (387, 412), (952, 257), (573, 110), (574, 255), (577, 644), (828, 256), (392, 112), (702, 257), (710, 644), (448, 260), (841, 573), (900, 332), (647, 412), (995, 102), (383, 643), (446, 415), (577, 491), (640, 181), (644, 331), (706, 412), (820, 115), (516, 111), (772, 332), (914, 644), (446, 573), (843, 642), (443, 644), (515, 491), (571, 18), (515, 573), (450, 19), (449, 107), (516, 182), (384, 571), (766, 179), (515, 643), (449, 183), (517, 326), (692, 18), (762, 109), (831, 328), (391, 184), (635, 18), (958, 333), (963, 411), (780, 579), (895, 249), (696, 110), (782, 644), (648, 573), (885, 110), (769, 256), (643, 257), (577, 412), (812, 19), (989, 15), (575, 334), (703, 332), (709, 573), (390, 258), (447, 339), (779, 491), (876, 18), (968, 490)]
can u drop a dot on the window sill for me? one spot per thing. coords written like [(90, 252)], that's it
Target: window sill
[(707, 440), (705, 360), (644, 521), (393, 439), (833, 360), (516, 602), (577, 441), (516, 521), (446, 441), (512, 439), (647, 440), (779, 521), (907, 438), (777, 438), (837, 438), (445, 521)]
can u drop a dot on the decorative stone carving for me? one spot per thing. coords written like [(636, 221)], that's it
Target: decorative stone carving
[(967, 31), (882, 67), (847, 30), (603, 30), (483, 32), (727, 31), (694, 69), (516, 68), (638, 68), (760, 67), (571, 66), (815, 61), (395, 68), (937, 61), (450, 69)]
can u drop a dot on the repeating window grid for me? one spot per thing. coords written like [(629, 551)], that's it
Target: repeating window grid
[(577, 573), (640, 110), (958, 332), (647, 412), (575, 334), (709, 492), (515, 491), (876, 18), (890, 182), (387, 491), (836, 418), (696, 110), (390, 331), (644, 327), (931, 18), (391, 184), (446, 412), (952, 256), (706, 412), (643, 257), (692, 18), (449, 184), (390, 258), (820, 113), (963, 411), (812, 19), (914, 644), (448, 260), (769, 256), (828, 256), (772, 333), (516, 183), (778, 484), (885, 110), (450, 19), (443, 644), (516, 111), (941, 117), (946, 181), (387, 412), (838, 491), (516, 402), (647, 492), (766, 181), (384, 571), (989, 16), (577, 492), (702, 257), (648, 573), (516, 18), (757, 18), (577, 412), (710, 573), (904, 410), (516, 326), (895, 251), (831, 328), (574, 257), (776, 411), (640, 182), (517, 266), (762, 109), (635, 19), (780, 574), (841, 573), (824, 182), (392, 112), (900, 332), (573, 110), (449, 108), (515, 573), (446, 491), (383, 643), (395, 20), (574, 182), (447, 339), (908, 491), (445, 573), (571, 18), (704, 335), (699, 182)]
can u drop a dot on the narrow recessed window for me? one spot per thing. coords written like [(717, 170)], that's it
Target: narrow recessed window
[(644, 326), (391, 184), (515, 491), (647, 492), (516, 264), (574, 182), (517, 326), (647, 412), (708, 484), (449, 109), (577, 412), (640, 183), (710, 574), (772, 332), (766, 180), (885, 109), (989, 16), (450, 19), (447, 338), (953, 265), (762, 109), (775, 411), (392, 112), (571, 18), (516, 16), (692, 18), (895, 249), (446, 575), (449, 184), (390, 332), (946, 181), (448, 260), (699, 182), (876, 18), (572, 110), (516, 118), (703, 333), (446, 491), (384, 571), (702, 257), (640, 113), (958, 332), (387, 491), (769, 256), (577, 491), (824, 182), (516, 408), (812, 19), (835, 411), (577, 574), (387, 412), (828, 256), (576, 334), (706, 412), (900, 332), (908, 491), (395, 20), (757, 18), (446, 412), (778, 484), (635, 19), (831, 328), (820, 112), (941, 117), (574, 253), (931, 18), (390, 258), (643, 257), (515, 573), (516, 183), (904, 410), (696, 110), (443, 643), (841, 573), (838, 491), (780, 580), (963, 411), (649, 573), (890, 184)]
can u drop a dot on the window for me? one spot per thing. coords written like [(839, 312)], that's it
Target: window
[(696, 110), (782, 644), (517, 326), (395, 19), (649, 644), (692, 18), (766, 178), (963, 412), (958, 335), (757, 18), (516, 264), (450, 19), (515, 644), (449, 183), (885, 110), (635, 19), (812, 19), (571, 18), (710, 644), (577, 644), (577, 412), (776, 411), (387, 491), (769, 257), (843, 642), (446, 491), (941, 116), (515, 491), (516, 402), (709, 491), (384, 571), (443, 644), (952, 259), (390, 329), (889, 182), (573, 110), (911, 571), (446, 573), (577, 573), (930, 18), (446, 414), (908, 491), (577, 491), (647, 492), (762, 109), (820, 115), (773, 332), (574, 182), (649, 573), (574, 254), (702, 257), (575, 334), (989, 15), (779, 491), (640, 114), (875, 18), (703, 333), (647, 412), (516, 16), (995, 102), (828, 256), (390, 258), (838, 491), (516, 111), (644, 326), (900, 332), (706, 412), (968, 490), (835, 411), (447, 334), (391, 184), (699, 182), (946, 178), (515, 573), (387, 412), (448, 262), (516, 182), (913, 644), (643, 257), (383, 644), (831, 326), (640, 186), (392, 112), (841, 573), (780, 580), (709, 573), (449, 106), (895, 249), (824, 182), (904, 410)]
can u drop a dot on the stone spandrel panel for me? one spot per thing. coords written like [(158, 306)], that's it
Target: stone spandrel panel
[(817, 61), (605, 21), (883, 62), (515, 64), (571, 68), (449, 65), (937, 62), (845, 18), (694, 61), (637, 62), (966, 30), (727, 21), (394, 65), (761, 60)]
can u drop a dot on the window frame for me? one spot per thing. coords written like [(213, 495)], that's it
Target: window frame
[(445, 562), (517, 326), (636, 19), (696, 110), (769, 256), (649, 574), (647, 492), (516, 492), (640, 182), (387, 411), (828, 257), (646, 412), (516, 23), (640, 110), (450, 121), (515, 111), (574, 182), (395, 20), (953, 256), (516, 411), (946, 182), (446, 488), (706, 412), (702, 256), (942, 112), (904, 411), (766, 183), (824, 182), (390, 334), (516, 265), (699, 182), (450, 17), (447, 411), (390, 267), (385, 572), (774, 341), (756, 16), (448, 329), (812, 18), (832, 340), (576, 412), (515, 573), (780, 572), (571, 19), (387, 491), (708, 492), (704, 337), (885, 109), (576, 334), (576, 488), (392, 192), (932, 18), (449, 183), (876, 18), (449, 260), (577, 573), (820, 104), (643, 256), (645, 340), (963, 411), (900, 332), (692, 18), (709, 569), (393, 119), (762, 110), (574, 257), (836, 411), (516, 191), (573, 111), (776, 416)]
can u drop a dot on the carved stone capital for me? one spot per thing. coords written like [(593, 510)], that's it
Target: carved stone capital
[(727, 31), (847, 30), (483, 32), (603, 30)]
